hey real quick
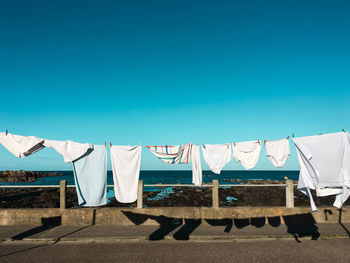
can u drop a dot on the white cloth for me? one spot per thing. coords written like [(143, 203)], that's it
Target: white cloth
[(247, 153), (196, 166), (324, 166), (90, 175), (217, 156), (126, 171), (70, 150), (177, 154), (341, 198), (278, 151), (21, 146)]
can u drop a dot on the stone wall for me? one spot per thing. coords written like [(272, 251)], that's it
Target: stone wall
[(155, 216)]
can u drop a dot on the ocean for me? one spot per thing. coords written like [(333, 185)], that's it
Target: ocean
[(171, 177), (174, 177)]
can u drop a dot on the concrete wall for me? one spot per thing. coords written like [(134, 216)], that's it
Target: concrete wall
[(154, 216)]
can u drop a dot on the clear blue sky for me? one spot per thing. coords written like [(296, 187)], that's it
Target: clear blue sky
[(170, 72)]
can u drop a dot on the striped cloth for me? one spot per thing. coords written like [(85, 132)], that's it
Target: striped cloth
[(172, 154)]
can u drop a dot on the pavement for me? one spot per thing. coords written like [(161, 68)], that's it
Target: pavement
[(267, 250), (188, 241), (191, 230)]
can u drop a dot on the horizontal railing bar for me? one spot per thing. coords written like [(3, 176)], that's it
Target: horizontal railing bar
[(39, 186), (30, 186), (254, 185), (151, 185), (168, 185)]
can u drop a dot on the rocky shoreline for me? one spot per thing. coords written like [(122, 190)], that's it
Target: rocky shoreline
[(171, 196), (21, 176)]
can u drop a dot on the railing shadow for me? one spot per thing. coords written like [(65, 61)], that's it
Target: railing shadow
[(46, 224), (340, 222)]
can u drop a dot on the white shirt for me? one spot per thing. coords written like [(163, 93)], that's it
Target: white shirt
[(70, 150), (21, 146), (323, 164)]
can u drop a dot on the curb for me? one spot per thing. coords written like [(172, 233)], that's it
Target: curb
[(166, 238)]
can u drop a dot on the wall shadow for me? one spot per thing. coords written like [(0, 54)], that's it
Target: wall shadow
[(50, 223), (46, 224)]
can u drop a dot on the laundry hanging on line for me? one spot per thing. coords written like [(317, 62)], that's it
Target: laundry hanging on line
[(217, 156), (196, 166), (21, 146), (324, 161), (90, 176), (277, 151), (178, 154), (181, 154), (324, 166), (247, 153), (126, 162), (70, 150)]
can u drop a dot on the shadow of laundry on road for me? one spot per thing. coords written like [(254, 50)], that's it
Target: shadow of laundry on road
[(185, 231), (297, 225), (258, 221), (166, 224), (221, 222), (274, 221), (301, 225), (241, 222)]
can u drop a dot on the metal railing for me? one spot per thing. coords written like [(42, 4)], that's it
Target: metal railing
[(215, 190)]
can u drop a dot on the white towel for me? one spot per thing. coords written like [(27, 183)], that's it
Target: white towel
[(324, 166), (277, 151), (196, 166), (177, 154), (247, 153), (21, 146), (90, 175), (70, 150), (126, 171), (217, 156)]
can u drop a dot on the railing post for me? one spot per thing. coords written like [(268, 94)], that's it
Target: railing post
[(63, 193), (140, 194), (289, 193), (215, 193)]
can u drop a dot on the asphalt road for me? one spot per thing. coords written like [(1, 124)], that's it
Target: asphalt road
[(330, 250)]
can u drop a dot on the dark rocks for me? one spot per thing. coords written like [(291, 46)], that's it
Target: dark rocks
[(35, 198), (24, 176)]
